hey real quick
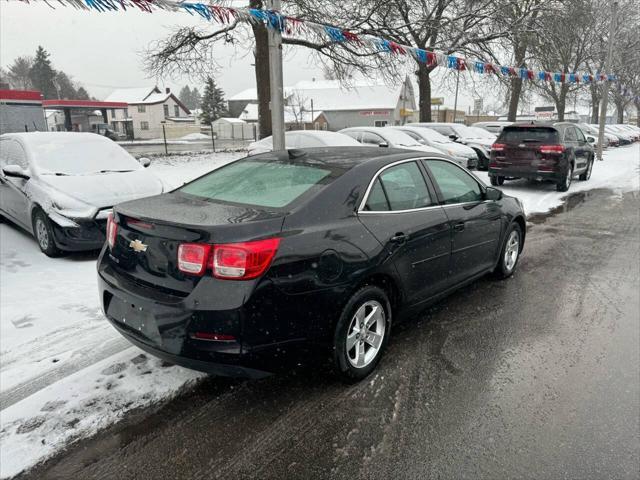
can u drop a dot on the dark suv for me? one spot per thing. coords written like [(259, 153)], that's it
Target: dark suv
[(555, 152)]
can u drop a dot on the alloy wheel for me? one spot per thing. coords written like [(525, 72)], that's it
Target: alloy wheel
[(512, 250), (42, 234), (366, 334)]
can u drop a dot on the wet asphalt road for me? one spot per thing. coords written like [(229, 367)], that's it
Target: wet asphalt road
[(537, 377)]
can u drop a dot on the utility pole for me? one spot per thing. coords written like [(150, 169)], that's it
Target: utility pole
[(605, 86), (275, 79), (455, 102)]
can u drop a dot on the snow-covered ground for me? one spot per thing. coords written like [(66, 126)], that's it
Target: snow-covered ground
[(65, 373)]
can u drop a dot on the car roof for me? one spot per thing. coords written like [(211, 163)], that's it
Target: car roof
[(346, 158), (39, 138)]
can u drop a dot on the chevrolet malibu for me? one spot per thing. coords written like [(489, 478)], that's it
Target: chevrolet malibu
[(285, 256)]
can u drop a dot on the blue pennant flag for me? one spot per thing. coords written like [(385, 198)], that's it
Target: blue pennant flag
[(452, 62), (542, 76), (557, 77), (421, 55), (479, 67), (335, 34)]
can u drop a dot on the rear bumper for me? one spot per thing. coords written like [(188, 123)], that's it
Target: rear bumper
[(528, 174), (267, 330)]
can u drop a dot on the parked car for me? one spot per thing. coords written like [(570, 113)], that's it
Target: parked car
[(105, 130), (554, 152), (304, 139), (624, 138), (461, 154), (386, 137), (591, 133), (60, 186), (462, 134), (633, 133), (614, 140), (299, 255), (494, 127)]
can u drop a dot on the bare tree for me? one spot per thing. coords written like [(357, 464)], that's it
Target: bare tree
[(297, 105)]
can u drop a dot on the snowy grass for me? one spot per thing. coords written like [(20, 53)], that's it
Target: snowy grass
[(65, 373)]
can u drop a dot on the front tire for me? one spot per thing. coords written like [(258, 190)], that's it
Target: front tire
[(362, 333), (496, 181), (510, 252), (43, 232), (587, 173)]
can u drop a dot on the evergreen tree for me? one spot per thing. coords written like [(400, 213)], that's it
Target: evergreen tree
[(186, 97), (82, 94), (43, 75), (213, 103)]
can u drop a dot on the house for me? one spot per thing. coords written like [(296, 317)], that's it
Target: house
[(148, 109), (20, 111), (362, 103)]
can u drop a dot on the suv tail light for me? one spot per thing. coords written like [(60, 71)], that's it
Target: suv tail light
[(551, 148), (112, 230), (229, 261), (243, 261), (193, 258), (498, 147)]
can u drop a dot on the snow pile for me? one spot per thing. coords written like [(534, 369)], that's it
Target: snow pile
[(195, 136)]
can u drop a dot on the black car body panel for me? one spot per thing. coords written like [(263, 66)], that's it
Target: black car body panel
[(328, 249)]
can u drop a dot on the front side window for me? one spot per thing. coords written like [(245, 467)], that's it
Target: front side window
[(399, 188), (455, 184), (580, 135), (570, 135), (12, 153)]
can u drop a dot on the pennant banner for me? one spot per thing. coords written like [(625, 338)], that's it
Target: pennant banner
[(290, 26)]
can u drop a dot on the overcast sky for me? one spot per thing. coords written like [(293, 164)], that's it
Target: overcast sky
[(102, 50)]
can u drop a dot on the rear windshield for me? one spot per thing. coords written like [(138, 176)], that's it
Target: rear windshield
[(528, 134), (273, 184)]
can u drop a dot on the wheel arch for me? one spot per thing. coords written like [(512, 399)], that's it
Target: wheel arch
[(387, 283), (522, 223)]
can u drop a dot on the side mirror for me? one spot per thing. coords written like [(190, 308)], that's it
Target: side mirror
[(144, 161), (16, 172), (383, 145), (453, 137), (493, 194), (591, 139)]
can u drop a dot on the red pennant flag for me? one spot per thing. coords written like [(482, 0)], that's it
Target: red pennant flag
[(461, 64), (432, 59)]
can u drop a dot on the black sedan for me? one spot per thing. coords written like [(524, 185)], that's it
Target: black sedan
[(276, 258)]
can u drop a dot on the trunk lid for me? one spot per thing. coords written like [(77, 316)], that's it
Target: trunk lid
[(151, 230)]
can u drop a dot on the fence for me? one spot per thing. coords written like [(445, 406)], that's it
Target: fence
[(181, 138)]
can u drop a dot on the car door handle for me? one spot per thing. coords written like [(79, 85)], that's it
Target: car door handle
[(458, 227), (399, 238)]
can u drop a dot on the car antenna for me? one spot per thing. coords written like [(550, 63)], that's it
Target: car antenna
[(295, 153)]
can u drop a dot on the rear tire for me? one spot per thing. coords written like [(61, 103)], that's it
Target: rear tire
[(361, 334), (496, 181), (510, 252), (43, 233), (565, 183), (587, 173)]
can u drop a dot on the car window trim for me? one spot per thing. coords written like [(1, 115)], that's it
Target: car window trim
[(427, 181)]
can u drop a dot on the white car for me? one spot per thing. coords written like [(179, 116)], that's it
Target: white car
[(467, 136), (464, 156), (305, 139), (386, 137), (61, 186)]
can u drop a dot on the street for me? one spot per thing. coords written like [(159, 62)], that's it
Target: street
[(532, 377)]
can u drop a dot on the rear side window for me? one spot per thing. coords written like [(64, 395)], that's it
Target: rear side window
[(570, 135), (377, 201), (528, 134), (405, 187), (273, 184)]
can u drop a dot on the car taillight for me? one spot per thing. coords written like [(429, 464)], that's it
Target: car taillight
[(193, 258), (112, 230), (551, 148), (498, 147), (243, 261)]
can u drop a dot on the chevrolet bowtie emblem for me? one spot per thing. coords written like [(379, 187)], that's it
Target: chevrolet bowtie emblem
[(138, 246)]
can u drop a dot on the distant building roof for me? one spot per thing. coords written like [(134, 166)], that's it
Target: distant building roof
[(330, 95), (229, 120), (291, 114), (144, 96)]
